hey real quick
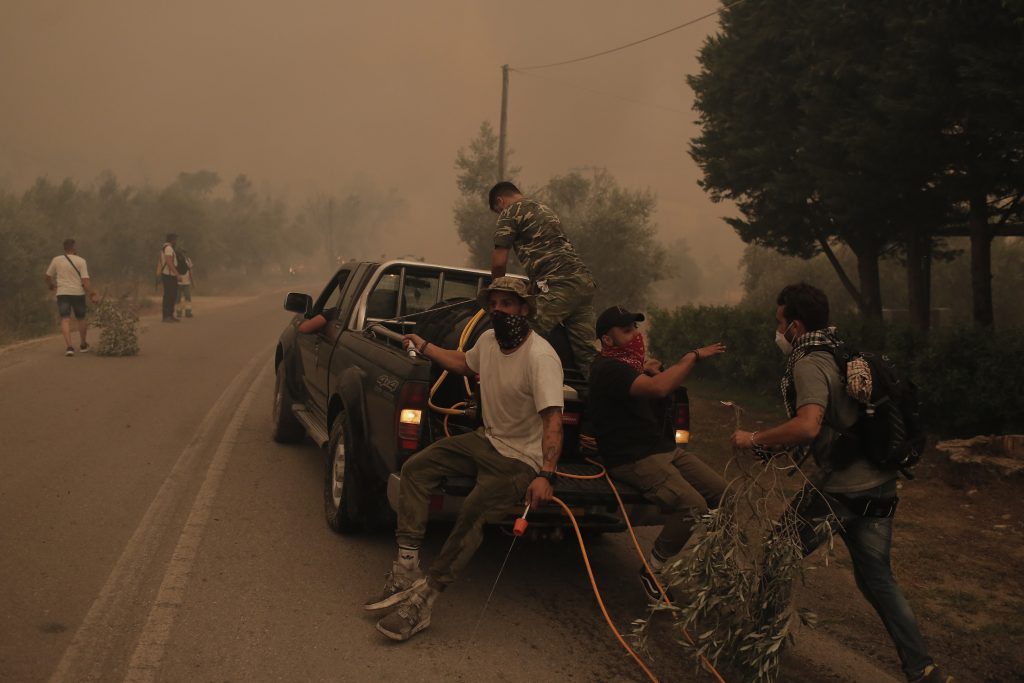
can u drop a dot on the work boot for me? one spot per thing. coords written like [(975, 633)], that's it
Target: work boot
[(933, 674), (412, 615), (397, 583), (650, 586)]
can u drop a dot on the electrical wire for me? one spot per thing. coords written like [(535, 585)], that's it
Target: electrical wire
[(600, 92), (635, 42)]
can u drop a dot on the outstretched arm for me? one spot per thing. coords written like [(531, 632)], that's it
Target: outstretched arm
[(453, 361)]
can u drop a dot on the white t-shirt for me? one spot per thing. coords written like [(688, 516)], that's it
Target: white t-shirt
[(168, 250), (68, 281), (514, 388)]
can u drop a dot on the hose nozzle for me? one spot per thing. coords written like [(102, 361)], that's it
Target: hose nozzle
[(519, 528)]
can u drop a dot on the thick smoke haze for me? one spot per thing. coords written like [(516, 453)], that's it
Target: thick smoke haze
[(314, 97)]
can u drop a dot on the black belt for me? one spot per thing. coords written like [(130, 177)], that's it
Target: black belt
[(869, 507)]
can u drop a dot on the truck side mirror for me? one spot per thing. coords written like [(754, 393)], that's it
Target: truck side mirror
[(299, 303)]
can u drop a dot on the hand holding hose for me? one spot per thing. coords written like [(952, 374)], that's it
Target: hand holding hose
[(540, 492)]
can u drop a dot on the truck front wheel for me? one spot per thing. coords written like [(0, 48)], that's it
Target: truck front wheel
[(339, 488)]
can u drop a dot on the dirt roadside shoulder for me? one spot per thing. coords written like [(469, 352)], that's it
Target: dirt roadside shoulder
[(957, 553)]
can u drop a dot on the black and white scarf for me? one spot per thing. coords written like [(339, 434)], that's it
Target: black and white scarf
[(802, 345)]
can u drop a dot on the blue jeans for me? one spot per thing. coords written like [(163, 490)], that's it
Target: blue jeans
[(869, 540)]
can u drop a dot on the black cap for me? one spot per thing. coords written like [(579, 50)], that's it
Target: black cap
[(616, 316)]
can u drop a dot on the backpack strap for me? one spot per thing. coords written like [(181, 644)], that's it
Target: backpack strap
[(75, 267)]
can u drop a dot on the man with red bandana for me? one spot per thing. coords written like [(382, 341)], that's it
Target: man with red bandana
[(628, 403)]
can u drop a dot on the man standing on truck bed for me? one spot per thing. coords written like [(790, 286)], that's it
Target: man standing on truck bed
[(564, 285), (513, 455), (627, 408)]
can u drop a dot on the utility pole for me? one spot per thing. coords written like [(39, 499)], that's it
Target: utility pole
[(503, 130)]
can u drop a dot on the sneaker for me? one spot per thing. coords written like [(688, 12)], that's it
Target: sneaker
[(650, 586), (170, 320), (69, 352), (933, 674), (84, 348), (188, 314), (413, 615), (397, 583)]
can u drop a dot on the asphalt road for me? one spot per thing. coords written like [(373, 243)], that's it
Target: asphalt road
[(152, 531)]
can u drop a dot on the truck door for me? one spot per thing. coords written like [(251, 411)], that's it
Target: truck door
[(315, 345)]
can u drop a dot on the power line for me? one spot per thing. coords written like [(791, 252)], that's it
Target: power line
[(601, 92), (635, 42)]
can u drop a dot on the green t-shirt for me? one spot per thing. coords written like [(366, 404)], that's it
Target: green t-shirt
[(534, 232), (818, 382)]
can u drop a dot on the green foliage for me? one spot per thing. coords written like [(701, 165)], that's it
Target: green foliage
[(610, 226), (118, 323), (968, 381), (477, 170)]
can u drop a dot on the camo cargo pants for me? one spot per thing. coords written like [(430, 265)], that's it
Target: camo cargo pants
[(501, 483), (568, 302)]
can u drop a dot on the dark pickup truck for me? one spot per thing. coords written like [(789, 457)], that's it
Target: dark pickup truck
[(354, 389)]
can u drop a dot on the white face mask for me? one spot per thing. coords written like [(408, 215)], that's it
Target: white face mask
[(782, 342)]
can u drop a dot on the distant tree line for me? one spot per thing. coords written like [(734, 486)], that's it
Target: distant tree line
[(882, 127), (234, 234)]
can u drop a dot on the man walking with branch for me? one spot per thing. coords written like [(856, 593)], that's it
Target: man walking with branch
[(68, 276), (847, 486)]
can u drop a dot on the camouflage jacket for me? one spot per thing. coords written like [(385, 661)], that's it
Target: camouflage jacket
[(534, 232)]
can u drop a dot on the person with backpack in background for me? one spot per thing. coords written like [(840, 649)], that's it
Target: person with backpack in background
[(186, 279), (852, 481), (68, 277), (167, 266)]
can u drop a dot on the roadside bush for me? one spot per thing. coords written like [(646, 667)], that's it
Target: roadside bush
[(968, 380)]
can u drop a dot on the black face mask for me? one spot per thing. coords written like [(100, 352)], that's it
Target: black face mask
[(509, 330)]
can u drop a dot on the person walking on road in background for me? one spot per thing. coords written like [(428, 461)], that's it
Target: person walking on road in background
[(628, 403), (68, 276), (563, 284), (186, 278), (168, 270), (513, 455), (847, 484)]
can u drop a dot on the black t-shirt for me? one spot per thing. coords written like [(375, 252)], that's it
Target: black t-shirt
[(627, 428)]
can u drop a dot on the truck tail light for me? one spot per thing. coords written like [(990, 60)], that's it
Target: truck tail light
[(411, 402), (682, 425)]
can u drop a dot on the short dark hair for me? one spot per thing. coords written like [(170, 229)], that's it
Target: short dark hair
[(172, 236), (68, 243), (502, 189), (805, 303)]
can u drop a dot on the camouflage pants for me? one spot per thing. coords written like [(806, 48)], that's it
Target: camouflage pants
[(569, 302), (500, 483)]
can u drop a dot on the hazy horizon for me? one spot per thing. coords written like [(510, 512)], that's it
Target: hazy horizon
[(320, 97)]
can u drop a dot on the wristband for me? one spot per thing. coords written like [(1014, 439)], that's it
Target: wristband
[(423, 348), (550, 476), (696, 356), (753, 443)]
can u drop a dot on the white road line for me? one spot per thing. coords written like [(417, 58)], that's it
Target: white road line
[(149, 652), (106, 620)]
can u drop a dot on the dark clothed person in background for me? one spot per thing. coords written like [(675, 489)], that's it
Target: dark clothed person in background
[(629, 399), (169, 277), (846, 482), (563, 285)]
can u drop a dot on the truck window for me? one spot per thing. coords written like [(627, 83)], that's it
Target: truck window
[(420, 292), (460, 288), (331, 305), (382, 303)]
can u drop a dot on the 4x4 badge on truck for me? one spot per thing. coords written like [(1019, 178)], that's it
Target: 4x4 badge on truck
[(388, 383)]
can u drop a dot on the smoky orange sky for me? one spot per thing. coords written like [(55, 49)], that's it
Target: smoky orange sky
[(309, 97)]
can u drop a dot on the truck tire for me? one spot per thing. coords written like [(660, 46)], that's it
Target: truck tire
[(286, 427), (339, 482)]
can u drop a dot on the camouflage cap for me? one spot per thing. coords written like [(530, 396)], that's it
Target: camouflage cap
[(508, 284)]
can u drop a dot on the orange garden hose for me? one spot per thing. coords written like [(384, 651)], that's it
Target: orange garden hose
[(636, 543)]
